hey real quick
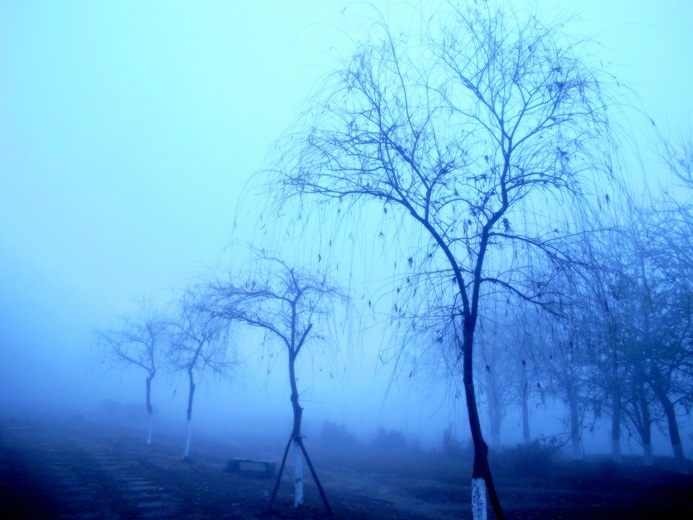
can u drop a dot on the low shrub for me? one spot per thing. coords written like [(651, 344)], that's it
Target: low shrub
[(535, 458), (392, 440), (336, 435)]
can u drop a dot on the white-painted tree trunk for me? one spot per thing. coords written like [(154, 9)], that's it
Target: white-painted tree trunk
[(149, 430), (186, 452), (478, 499), (298, 475)]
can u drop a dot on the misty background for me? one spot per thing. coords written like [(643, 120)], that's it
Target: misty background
[(128, 132)]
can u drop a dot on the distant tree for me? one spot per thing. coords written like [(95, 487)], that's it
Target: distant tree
[(623, 303), (673, 236), (138, 342), (642, 302), (638, 406), (534, 334), (498, 371), (512, 347), (665, 333), (287, 303), (603, 317), (496, 391), (480, 134), (587, 334), (572, 374), (198, 344)]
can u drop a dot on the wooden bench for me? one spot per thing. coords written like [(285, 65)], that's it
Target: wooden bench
[(252, 467)]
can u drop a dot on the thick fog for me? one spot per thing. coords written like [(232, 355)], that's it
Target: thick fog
[(129, 132)]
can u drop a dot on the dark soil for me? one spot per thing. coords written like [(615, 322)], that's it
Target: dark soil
[(83, 469)]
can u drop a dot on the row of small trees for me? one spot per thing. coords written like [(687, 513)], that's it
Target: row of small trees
[(290, 304), (185, 340)]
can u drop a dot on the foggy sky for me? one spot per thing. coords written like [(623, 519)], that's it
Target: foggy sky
[(128, 130)]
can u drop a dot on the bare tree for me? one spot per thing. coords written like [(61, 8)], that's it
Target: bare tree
[(138, 342), (602, 315), (570, 372), (641, 302), (650, 299), (512, 347), (287, 303), (199, 344), (534, 332), (626, 364), (497, 373), (482, 134), (638, 405), (666, 334)]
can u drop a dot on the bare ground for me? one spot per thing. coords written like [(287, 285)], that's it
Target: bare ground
[(81, 469)]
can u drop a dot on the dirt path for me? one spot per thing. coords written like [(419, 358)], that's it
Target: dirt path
[(67, 474), (77, 470), (82, 470)]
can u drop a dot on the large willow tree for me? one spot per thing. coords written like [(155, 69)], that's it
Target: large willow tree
[(481, 136)]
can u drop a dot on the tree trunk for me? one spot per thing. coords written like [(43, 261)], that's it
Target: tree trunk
[(645, 426), (525, 421), (296, 439), (495, 414), (296, 435), (299, 448), (482, 481), (496, 420), (479, 499), (481, 469), (525, 404), (674, 435), (576, 451), (191, 394), (149, 408), (298, 475), (186, 449), (616, 424)]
